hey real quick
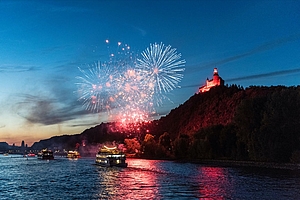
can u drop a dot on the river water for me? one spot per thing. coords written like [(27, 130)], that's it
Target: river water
[(62, 178)]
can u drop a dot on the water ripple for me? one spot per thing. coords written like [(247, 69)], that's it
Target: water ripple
[(65, 179)]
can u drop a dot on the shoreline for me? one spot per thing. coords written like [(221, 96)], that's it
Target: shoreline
[(233, 163)]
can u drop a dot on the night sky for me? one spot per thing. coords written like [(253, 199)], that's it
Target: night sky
[(44, 42)]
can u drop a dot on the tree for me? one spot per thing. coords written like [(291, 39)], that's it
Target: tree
[(149, 138), (132, 145), (268, 125), (149, 146), (227, 140), (247, 120), (280, 125), (165, 141), (181, 146)]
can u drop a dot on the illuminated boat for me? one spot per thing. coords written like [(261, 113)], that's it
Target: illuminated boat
[(30, 155), (73, 154), (109, 157), (45, 154), (5, 154)]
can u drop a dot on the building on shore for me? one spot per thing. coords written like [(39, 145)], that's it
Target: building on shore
[(216, 81)]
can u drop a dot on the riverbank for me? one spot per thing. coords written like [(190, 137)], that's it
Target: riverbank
[(233, 163)]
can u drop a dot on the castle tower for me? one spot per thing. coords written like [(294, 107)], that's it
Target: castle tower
[(217, 80), (216, 75)]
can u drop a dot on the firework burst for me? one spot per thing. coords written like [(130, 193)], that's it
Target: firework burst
[(130, 85), (162, 68), (100, 85), (96, 88)]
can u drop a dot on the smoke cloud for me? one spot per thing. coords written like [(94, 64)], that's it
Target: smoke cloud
[(46, 111)]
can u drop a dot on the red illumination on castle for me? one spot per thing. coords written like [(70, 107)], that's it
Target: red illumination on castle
[(217, 80)]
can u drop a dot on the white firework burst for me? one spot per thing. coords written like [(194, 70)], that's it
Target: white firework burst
[(162, 68), (96, 88), (129, 87)]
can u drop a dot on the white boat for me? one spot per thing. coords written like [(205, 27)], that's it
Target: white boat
[(73, 154), (109, 157), (45, 154)]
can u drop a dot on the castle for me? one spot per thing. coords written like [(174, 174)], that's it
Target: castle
[(217, 80)]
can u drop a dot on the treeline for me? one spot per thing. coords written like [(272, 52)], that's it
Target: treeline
[(228, 122), (265, 126)]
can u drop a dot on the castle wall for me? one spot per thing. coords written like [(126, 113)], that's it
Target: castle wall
[(216, 81)]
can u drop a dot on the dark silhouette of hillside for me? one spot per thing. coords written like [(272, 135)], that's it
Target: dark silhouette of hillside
[(256, 123), (203, 110), (216, 107), (88, 140)]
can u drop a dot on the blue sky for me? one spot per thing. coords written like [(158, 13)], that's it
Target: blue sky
[(44, 42)]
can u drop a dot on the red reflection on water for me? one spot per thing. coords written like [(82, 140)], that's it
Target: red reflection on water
[(142, 181), (214, 183), (137, 182)]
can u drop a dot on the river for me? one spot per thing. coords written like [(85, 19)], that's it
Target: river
[(62, 178)]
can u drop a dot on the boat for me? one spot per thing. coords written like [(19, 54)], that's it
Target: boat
[(30, 155), (110, 156), (5, 154), (45, 154), (73, 154)]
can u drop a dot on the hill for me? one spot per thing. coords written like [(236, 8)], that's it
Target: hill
[(216, 107), (256, 123)]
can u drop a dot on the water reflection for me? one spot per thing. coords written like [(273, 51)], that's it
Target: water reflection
[(214, 183), (134, 182), (150, 179), (143, 179)]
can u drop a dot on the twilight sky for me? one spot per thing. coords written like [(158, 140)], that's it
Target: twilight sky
[(43, 43)]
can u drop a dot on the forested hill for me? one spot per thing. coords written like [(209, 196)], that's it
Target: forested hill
[(216, 107), (256, 123), (203, 110)]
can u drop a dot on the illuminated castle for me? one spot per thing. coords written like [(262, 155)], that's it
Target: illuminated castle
[(217, 80)]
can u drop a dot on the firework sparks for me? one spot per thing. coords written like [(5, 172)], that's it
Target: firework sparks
[(130, 85), (96, 88), (161, 67)]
